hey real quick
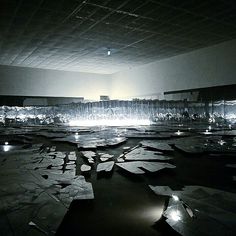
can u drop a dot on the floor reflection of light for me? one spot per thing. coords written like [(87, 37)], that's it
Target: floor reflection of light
[(207, 132), (178, 132), (221, 142), (175, 215), (6, 148), (76, 136), (150, 214)]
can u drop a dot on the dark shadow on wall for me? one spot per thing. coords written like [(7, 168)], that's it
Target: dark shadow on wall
[(226, 92)]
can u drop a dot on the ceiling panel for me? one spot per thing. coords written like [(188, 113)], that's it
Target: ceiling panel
[(76, 34)]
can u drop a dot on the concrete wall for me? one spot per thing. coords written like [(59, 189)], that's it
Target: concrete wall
[(50, 101), (211, 66), (22, 81)]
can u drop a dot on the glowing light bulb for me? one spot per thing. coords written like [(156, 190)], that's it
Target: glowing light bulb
[(6, 143), (109, 52)]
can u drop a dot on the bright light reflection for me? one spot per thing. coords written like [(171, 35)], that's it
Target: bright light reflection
[(175, 215), (105, 122), (178, 132), (207, 132), (221, 142), (6, 148), (76, 136), (175, 197)]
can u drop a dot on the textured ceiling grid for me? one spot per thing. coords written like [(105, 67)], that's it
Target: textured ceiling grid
[(75, 35)]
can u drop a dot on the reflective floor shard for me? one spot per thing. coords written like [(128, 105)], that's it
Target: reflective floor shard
[(140, 154), (139, 167), (196, 209), (106, 166), (160, 146)]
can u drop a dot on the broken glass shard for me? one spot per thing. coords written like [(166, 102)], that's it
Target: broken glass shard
[(106, 166), (136, 167)]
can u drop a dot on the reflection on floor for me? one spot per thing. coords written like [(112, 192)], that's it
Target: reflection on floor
[(95, 181)]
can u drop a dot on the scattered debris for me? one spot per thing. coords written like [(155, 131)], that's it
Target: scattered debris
[(72, 156), (53, 149), (89, 155), (126, 148), (104, 156), (106, 166), (85, 168)]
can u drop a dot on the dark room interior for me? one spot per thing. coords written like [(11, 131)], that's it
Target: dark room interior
[(117, 117)]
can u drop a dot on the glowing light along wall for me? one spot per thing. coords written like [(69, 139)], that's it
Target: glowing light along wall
[(121, 113)]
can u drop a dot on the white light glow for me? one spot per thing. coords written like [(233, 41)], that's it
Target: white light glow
[(175, 197), (209, 127), (178, 132), (109, 52), (76, 136), (221, 142), (106, 122), (6, 148), (6, 143), (175, 215), (207, 132)]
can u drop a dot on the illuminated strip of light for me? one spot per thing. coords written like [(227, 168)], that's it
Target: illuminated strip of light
[(106, 122)]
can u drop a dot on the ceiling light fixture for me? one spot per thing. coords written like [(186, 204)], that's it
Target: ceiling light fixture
[(109, 52)]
